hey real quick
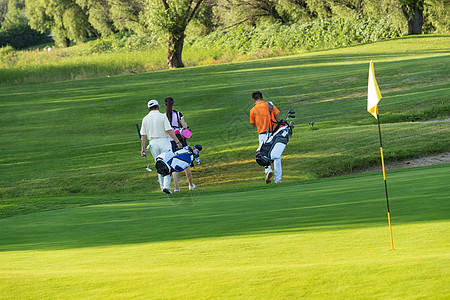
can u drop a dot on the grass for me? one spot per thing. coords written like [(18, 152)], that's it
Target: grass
[(78, 138), (326, 239), (81, 218)]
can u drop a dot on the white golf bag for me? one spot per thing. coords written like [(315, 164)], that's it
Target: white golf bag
[(273, 147), (168, 162)]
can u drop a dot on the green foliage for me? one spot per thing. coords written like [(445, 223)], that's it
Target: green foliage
[(437, 14), (16, 32), (7, 55), (16, 5), (99, 15), (64, 18), (106, 17), (411, 5), (319, 34), (125, 42), (172, 16), (3, 10)]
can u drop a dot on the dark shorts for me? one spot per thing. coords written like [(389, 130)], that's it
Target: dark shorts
[(175, 147)]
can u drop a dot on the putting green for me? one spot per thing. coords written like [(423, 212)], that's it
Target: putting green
[(327, 239)]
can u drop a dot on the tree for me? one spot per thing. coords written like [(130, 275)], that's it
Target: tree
[(236, 12), (99, 16), (206, 18), (15, 30), (64, 18), (437, 13), (3, 10), (413, 11), (128, 15), (16, 4), (172, 17)]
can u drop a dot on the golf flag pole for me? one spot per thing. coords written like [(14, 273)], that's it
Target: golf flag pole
[(373, 97)]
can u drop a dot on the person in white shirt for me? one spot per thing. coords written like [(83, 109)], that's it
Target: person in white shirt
[(157, 129)]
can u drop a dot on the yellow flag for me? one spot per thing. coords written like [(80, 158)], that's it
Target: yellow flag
[(373, 93)]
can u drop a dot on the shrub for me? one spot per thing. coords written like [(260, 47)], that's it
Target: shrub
[(16, 31), (322, 33), (7, 55)]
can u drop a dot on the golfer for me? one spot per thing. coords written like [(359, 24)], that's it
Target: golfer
[(176, 119), (156, 127), (263, 119)]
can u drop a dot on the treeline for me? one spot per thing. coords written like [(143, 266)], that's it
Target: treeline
[(27, 22), (15, 29)]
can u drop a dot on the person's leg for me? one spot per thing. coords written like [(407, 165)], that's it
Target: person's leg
[(175, 181), (161, 181), (267, 170), (165, 145), (278, 170), (175, 174), (167, 180), (158, 146), (189, 176), (154, 150)]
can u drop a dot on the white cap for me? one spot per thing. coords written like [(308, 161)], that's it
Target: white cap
[(152, 103)]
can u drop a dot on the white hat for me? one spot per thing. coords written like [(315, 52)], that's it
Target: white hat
[(152, 103)]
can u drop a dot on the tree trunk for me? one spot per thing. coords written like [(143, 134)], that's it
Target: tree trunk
[(415, 20), (174, 53)]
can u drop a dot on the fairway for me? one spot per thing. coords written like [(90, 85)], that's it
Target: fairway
[(81, 218), (324, 240)]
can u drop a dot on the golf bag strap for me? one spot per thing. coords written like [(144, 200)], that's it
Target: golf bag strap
[(178, 119), (270, 104)]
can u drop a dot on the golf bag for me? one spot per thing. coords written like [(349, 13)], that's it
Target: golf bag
[(274, 145), (168, 162)]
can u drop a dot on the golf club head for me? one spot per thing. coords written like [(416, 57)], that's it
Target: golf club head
[(148, 169), (291, 111), (291, 116)]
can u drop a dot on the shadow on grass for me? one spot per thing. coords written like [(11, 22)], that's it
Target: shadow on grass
[(417, 195)]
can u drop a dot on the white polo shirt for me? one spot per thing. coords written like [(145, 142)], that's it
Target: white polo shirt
[(154, 125)]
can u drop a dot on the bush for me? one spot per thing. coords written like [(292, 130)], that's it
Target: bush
[(7, 55), (123, 42), (319, 34), (16, 32)]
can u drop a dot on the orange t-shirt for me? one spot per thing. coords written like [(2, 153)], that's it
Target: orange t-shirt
[(261, 116)]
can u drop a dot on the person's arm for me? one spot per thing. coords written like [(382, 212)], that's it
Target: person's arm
[(183, 123), (252, 119), (169, 130), (174, 137), (143, 139), (277, 117)]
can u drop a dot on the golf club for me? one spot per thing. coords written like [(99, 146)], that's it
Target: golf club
[(290, 115), (146, 160)]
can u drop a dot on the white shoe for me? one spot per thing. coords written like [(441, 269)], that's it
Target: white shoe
[(176, 190), (269, 177), (279, 181), (192, 187), (167, 191)]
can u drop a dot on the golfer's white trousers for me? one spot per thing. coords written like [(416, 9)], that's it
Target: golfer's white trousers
[(276, 162), (158, 146)]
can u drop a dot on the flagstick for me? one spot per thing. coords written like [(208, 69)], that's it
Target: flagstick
[(385, 183)]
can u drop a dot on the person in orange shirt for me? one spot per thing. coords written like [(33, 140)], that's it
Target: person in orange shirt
[(264, 121)]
